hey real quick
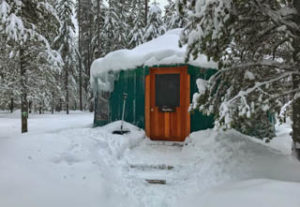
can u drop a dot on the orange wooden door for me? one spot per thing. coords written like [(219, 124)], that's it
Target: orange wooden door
[(167, 116)]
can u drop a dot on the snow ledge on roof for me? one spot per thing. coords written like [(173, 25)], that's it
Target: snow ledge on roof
[(163, 50)]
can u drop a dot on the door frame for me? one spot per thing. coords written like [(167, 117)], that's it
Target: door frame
[(183, 124)]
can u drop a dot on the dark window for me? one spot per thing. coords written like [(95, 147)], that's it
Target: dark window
[(167, 91)]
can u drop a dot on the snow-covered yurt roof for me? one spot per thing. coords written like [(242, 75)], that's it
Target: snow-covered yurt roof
[(163, 50)]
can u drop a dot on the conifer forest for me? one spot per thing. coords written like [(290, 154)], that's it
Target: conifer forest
[(47, 48), (149, 103)]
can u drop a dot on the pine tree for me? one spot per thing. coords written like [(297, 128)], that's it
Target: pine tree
[(115, 26), (296, 79), (92, 43), (27, 26), (172, 18), (85, 22), (155, 26), (146, 9), (137, 23), (9, 90), (65, 43), (251, 40)]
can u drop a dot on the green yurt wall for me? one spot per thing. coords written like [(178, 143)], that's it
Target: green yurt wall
[(132, 82), (198, 120)]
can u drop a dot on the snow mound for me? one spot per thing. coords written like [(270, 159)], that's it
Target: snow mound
[(120, 143), (256, 192), (163, 50), (73, 167), (239, 157), (237, 170)]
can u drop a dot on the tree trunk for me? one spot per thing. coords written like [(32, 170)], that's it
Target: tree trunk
[(296, 125), (67, 88), (89, 60), (80, 55), (80, 82), (24, 103), (98, 29), (53, 103), (60, 105), (11, 105), (296, 85), (30, 107), (146, 12)]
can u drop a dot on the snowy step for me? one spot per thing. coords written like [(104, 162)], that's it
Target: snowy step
[(166, 143), (152, 181), (152, 174), (151, 166)]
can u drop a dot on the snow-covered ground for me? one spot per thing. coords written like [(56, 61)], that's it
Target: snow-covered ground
[(64, 162), (10, 124)]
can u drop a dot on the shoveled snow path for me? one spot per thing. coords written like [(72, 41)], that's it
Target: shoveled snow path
[(158, 161)]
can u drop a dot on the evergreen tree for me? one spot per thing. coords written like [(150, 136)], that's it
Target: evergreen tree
[(9, 90), (115, 26), (86, 16), (146, 9), (65, 43), (137, 23), (79, 55), (172, 18), (252, 42), (295, 30), (155, 26), (93, 42), (27, 26)]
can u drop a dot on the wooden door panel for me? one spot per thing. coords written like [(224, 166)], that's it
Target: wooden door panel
[(147, 105), (170, 126)]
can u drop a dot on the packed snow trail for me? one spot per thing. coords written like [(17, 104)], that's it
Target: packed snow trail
[(155, 161)]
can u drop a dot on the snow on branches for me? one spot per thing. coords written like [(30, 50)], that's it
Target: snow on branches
[(17, 27), (254, 44)]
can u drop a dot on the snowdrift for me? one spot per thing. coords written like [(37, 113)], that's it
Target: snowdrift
[(74, 167), (250, 193)]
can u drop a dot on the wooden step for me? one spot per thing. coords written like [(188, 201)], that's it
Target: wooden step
[(156, 181), (149, 167), (167, 143)]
